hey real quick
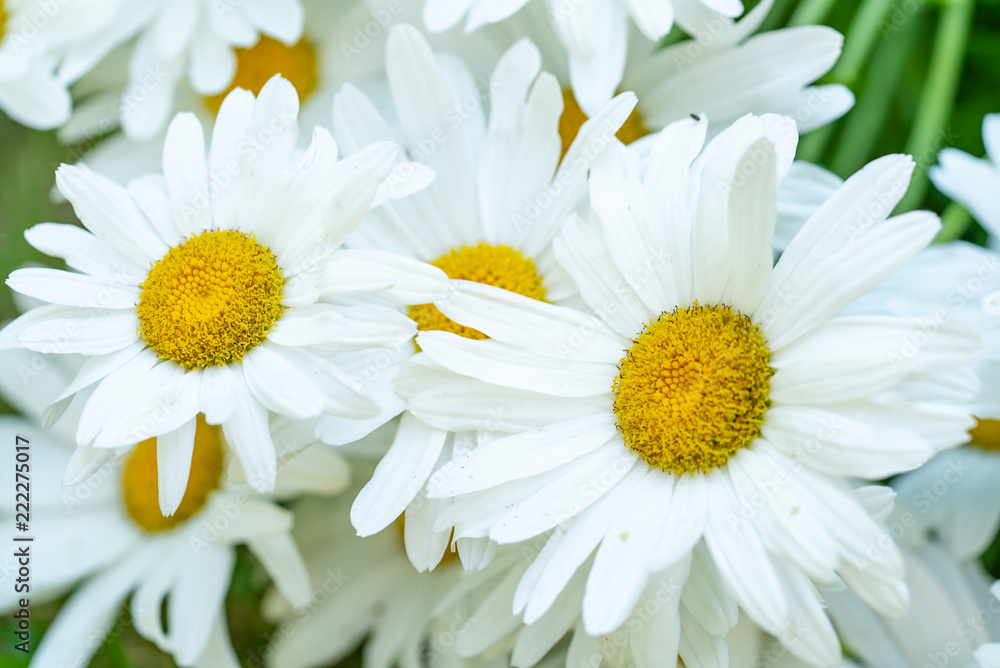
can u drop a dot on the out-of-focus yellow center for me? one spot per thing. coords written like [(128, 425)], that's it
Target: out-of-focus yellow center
[(210, 299), (693, 388), (140, 486), (492, 264), (256, 65), (573, 118), (986, 434), (3, 19)]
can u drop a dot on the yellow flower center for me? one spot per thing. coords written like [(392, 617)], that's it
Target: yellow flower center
[(3, 19), (210, 299), (140, 486), (492, 264), (986, 434), (256, 65), (573, 118), (693, 388)]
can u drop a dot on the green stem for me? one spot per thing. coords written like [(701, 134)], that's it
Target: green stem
[(937, 98), (868, 24), (810, 12), (858, 44), (776, 17), (864, 124), (954, 222)]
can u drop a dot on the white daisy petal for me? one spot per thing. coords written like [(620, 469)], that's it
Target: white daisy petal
[(230, 137), (248, 434), (522, 455), (555, 331), (278, 385), (566, 495), (186, 175), (89, 614), (219, 391), (621, 567), (859, 356), (856, 210), (743, 563), (580, 250), (684, 523), (173, 464), (195, 599), (107, 211), (497, 363), (399, 476), (843, 445), (72, 289), (82, 251), (282, 19), (102, 332), (632, 238), (283, 562)]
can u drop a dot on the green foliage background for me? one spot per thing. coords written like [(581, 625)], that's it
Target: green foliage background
[(925, 72)]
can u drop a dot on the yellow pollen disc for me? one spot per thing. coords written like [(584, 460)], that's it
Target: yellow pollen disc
[(693, 388), (986, 434), (140, 486), (497, 265), (256, 65), (573, 118), (210, 299), (3, 19)]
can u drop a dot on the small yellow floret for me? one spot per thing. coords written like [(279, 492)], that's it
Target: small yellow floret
[(210, 299), (986, 434), (492, 264), (140, 486), (693, 388), (573, 118), (256, 65)]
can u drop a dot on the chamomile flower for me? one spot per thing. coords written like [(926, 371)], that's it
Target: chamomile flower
[(220, 288), (498, 199), (30, 91), (164, 43), (340, 41), (954, 494), (595, 33), (951, 613), (367, 588), (722, 71), (714, 407), (973, 182), (108, 538)]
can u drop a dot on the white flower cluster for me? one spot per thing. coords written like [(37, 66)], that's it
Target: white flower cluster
[(485, 362)]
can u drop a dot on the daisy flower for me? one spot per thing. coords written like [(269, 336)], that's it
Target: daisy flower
[(951, 611), (954, 494), (498, 198), (713, 408), (108, 538), (162, 43), (30, 91), (973, 182), (367, 588), (594, 33), (723, 72), (335, 46), (220, 288)]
